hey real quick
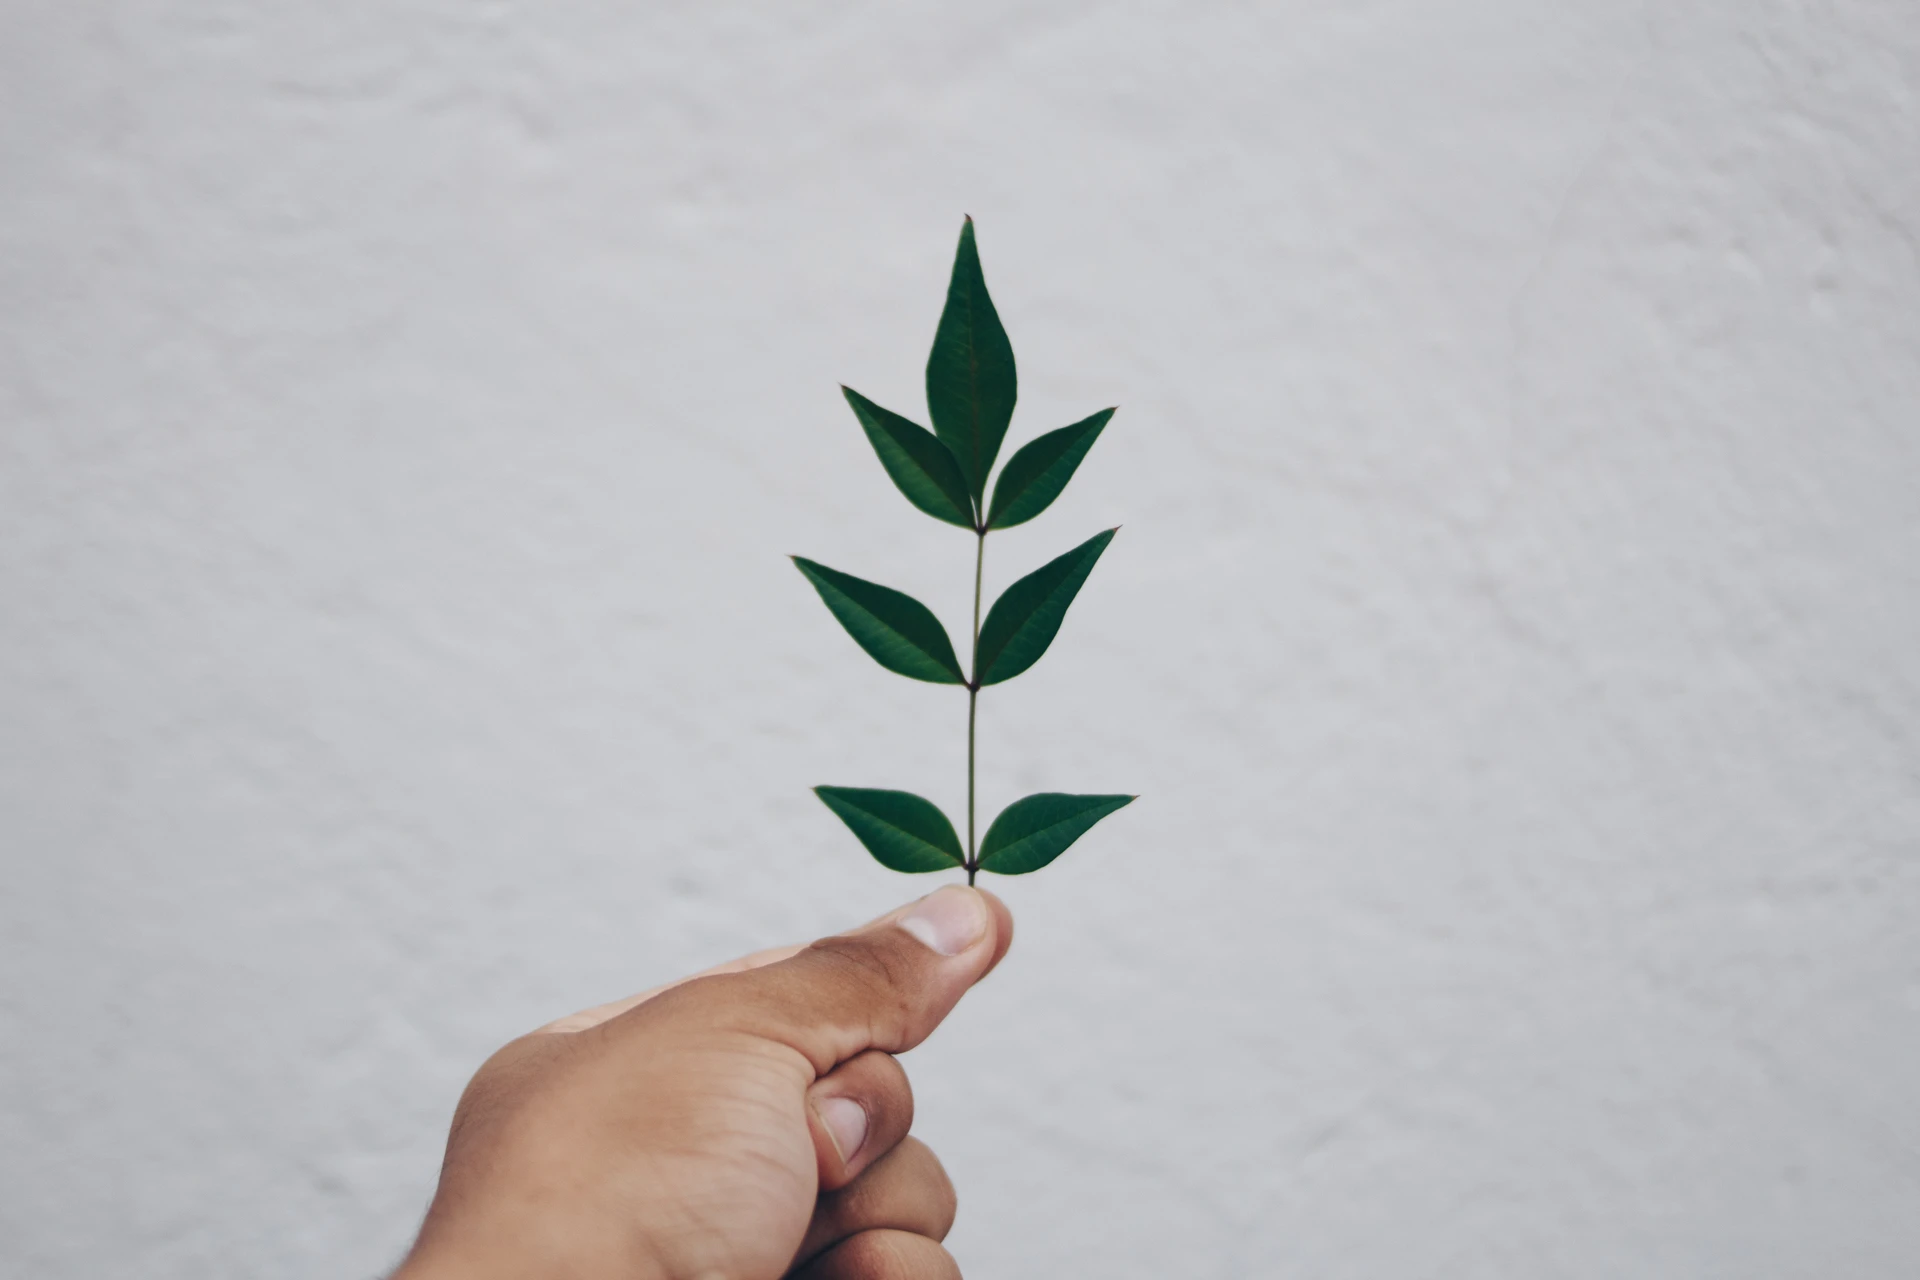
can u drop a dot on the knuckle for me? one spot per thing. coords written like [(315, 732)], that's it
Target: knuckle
[(862, 956), (936, 1186), (878, 975), (898, 1088), (878, 1255), (499, 1086)]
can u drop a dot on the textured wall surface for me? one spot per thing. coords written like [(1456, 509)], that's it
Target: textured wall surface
[(1515, 634)]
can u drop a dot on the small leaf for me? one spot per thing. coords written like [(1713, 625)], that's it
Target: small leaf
[(971, 385), (922, 467), (1032, 832), (1026, 617), (1034, 477), (898, 631), (900, 830)]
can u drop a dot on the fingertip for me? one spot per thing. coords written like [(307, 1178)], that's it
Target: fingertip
[(951, 921), (1002, 919), (863, 1108), (846, 1123)]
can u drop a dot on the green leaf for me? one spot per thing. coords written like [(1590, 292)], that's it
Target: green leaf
[(901, 633), (1032, 832), (1034, 477), (922, 467), (1026, 617), (902, 831), (970, 380)]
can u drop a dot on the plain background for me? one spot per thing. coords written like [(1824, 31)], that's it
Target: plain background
[(406, 409)]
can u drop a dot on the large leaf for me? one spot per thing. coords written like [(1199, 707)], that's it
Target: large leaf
[(1035, 475), (901, 633), (1026, 617), (1032, 832), (900, 830), (922, 467), (970, 380)]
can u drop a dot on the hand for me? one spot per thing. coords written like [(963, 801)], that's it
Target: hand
[(744, 1124)]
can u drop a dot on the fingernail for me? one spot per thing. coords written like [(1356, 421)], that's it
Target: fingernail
[(948, 920), (846, 1124)]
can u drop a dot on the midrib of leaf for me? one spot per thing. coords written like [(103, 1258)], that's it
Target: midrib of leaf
[(1036, 834), (978, 481), (905, 834), (889, 628)]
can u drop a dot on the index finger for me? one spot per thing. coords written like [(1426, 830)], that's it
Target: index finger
[(602, 1012)]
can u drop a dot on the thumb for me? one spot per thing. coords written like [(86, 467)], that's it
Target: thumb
[(884, 986)]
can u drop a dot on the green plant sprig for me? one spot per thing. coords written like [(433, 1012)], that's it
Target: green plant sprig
[(971, 389)]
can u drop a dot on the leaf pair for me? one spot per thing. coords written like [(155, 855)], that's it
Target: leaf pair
[(907, 833), (902, 635), (925, 470), (971, 389)]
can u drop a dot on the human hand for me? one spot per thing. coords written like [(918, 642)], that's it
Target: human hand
[(748, 1123)]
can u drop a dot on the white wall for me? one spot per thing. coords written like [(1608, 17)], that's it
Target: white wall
[(1515, 635)]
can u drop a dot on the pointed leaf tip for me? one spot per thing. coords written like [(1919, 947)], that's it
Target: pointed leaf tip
[(901, 830), (971, 384)]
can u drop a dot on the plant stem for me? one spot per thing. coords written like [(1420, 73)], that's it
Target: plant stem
[(973, 705), (973, 699)]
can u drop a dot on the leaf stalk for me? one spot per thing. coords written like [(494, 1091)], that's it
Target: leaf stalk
[(973, 697)]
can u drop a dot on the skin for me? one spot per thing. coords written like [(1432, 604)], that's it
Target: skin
[(748, 1123)]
